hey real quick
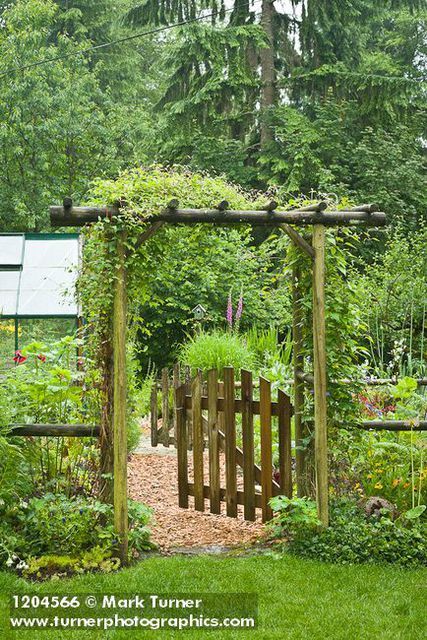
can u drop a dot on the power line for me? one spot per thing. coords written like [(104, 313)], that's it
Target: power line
[(103, 45)]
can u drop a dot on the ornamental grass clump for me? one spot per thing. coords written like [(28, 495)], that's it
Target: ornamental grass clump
[(216, 350)]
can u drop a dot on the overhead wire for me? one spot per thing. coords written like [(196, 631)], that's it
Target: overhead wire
[(110, 43)]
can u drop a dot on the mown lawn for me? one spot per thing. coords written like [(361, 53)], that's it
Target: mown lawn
[(298, 599)]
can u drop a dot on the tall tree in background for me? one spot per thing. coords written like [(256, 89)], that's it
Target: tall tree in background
[(268, 72)]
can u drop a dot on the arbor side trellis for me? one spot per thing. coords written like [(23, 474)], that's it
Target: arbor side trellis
[(314, 215)]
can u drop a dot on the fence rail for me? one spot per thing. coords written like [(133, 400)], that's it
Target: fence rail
[(55, 430)]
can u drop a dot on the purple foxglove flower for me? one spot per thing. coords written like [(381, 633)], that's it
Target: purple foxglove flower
[(239, 308), (229, 315)]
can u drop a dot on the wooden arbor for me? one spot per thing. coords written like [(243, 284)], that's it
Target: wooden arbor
[(314, 216)]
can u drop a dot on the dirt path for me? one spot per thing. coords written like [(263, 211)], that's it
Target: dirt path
[(153, 480)]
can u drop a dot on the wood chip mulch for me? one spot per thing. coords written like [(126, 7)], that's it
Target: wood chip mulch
[(153, 480)]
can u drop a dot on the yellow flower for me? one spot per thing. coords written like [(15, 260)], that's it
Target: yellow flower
[(369, 476), (380, 470), (406, 485), (378, 485), (395, 482)]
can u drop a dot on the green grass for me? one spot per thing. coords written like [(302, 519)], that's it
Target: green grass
[(298, 599)]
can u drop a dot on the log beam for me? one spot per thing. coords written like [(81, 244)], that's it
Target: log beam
[(61, 216), (392, 425), (55, 430)]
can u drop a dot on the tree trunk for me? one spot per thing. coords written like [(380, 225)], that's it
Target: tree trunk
[(268, 73)]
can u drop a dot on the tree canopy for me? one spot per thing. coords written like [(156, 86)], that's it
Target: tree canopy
[(303, 95)]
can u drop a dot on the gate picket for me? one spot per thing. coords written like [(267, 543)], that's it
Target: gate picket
[(176, 383), (213, 438), (266, 444), (165, 407), (248, 445), (198, 441), (285, 444), (154, 416), (230, 443), (182, 445)]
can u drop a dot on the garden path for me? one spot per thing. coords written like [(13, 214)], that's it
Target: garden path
[(152, 478)]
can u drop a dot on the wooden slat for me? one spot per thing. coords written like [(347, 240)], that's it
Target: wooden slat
[(266, 451), (248, 446), (165, 407), (197, 423), (176, 384), (221, 420), (182, 445), (187, 378), (154, 417), (230, 442), (213, 439), (285, 444), (240, 496)]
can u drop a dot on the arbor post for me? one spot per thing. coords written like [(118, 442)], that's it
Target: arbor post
[(319, 348), (119, 407)]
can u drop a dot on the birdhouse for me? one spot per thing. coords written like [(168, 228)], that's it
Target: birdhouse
[(198, 312)]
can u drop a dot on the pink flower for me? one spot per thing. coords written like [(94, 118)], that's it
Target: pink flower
[(229, 315), (41, 357)]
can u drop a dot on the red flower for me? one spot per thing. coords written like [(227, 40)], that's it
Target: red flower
[(18, 357), (41, 357)]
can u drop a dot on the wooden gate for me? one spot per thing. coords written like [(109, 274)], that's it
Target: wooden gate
[(212, 409)]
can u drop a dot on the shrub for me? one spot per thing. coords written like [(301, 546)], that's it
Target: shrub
[(216, 350), (58, 525), (352, 537)]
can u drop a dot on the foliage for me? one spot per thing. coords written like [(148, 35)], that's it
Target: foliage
[(345, 326), (216, 350), (143, 394), (352, 537), (390, 465), (295, 515), (394, 304), (192, 264), (62, 123), (46, 385), (55, 524), (62, 566), (348, 90), (267, 346)]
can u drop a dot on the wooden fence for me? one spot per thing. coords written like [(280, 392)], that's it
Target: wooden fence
[(202, 417)]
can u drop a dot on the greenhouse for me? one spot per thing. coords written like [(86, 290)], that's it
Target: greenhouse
[(37, 282)]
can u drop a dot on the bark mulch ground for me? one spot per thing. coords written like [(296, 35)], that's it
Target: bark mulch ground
[(153, 480)]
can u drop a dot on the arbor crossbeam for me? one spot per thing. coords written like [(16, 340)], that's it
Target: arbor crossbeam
[(71, 216)]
